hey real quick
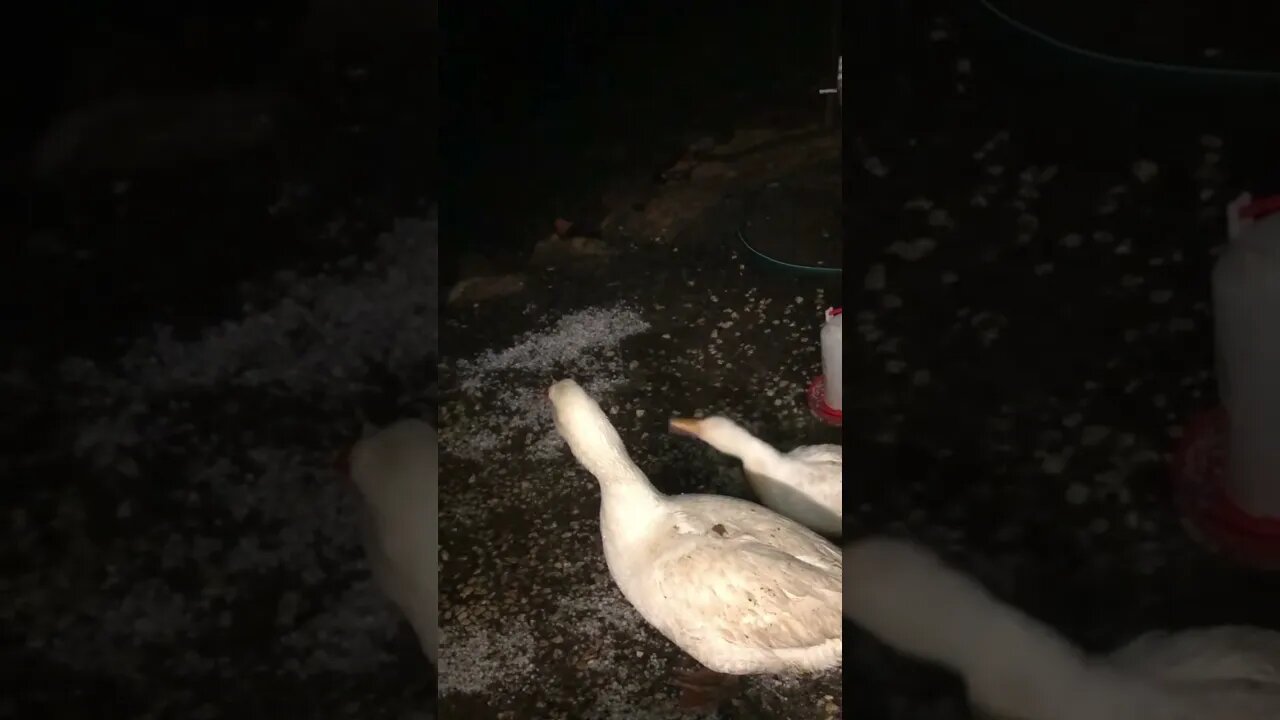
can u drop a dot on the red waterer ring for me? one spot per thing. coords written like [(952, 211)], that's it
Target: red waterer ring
[(1208, 512)]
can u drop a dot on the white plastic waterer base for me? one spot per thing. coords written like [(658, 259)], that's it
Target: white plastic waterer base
[(1208, 511), (828, 387)]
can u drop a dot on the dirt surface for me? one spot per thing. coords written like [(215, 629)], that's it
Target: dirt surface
[(1231, 34), (667, 324)]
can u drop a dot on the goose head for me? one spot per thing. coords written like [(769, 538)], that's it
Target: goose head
[(728, 437), (589, 434)]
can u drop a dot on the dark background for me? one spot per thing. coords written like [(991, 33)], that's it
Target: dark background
[(547, 104), (213, 142)]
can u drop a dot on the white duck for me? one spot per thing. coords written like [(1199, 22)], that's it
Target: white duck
[(1017, 668), (738, 587), (804, 484), (397, 473)]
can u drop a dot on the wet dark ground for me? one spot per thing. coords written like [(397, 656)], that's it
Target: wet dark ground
[(1191, 32), (1031, 332), (796, 219)]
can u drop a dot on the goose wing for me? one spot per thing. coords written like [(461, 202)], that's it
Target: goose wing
[(770, 585)]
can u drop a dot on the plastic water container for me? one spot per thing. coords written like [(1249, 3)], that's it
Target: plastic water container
[(832, 337), (1246, 306), (826, 392)]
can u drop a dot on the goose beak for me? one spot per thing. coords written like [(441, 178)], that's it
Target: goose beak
[(685, 426)]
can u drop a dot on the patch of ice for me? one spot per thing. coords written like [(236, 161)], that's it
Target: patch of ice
[(481, 662), (571, 337)]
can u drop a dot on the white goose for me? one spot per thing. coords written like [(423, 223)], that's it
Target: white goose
[(397, 472), (804, 484), (1017, 668), (738, 587)]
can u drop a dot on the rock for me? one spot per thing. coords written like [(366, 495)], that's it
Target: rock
[(557, 249), (913, 250), (479, 289), (703, 145), (1077, 494), (712, 171), (875, 279)]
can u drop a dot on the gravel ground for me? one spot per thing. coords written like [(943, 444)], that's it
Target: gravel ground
[(1032, 330), (679, 324), (185, 548)]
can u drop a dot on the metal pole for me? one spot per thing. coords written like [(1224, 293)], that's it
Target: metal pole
[(830, 112)]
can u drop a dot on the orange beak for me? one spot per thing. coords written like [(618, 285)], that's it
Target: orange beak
[(685, 426)]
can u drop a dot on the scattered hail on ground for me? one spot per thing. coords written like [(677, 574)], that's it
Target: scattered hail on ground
[(652, 327), (194, 535)]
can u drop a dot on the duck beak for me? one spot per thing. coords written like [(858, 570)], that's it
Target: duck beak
[(685, 426)]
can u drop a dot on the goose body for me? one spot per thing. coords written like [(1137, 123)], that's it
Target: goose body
[(738, 587), (804, 484), (1017, 668), (397, 473)]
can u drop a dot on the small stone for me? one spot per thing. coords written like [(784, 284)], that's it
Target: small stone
[(875, 279), (1077, 494), (1094, 434), (1160, 297), (939, 217), (1072, 241), (920, 377), (1054, 464), (874, 166), (1145, 170), (913, 250)]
